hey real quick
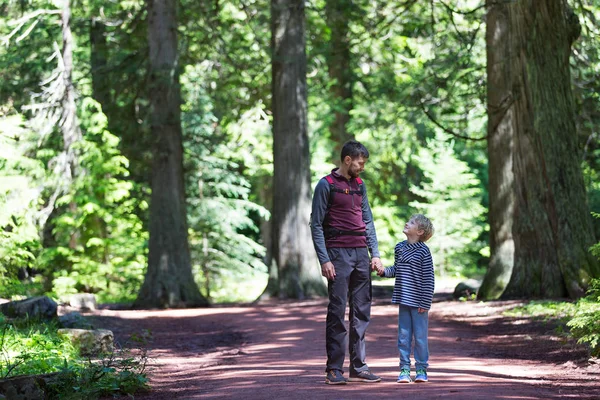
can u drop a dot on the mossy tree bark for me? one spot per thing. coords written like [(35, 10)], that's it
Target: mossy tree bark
[(297, 266), (169, 281), (539, 201), (338, 14)]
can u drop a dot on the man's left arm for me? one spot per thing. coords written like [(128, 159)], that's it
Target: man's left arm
[(370, 228)]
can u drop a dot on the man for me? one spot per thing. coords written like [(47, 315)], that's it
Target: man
[(343, 235)]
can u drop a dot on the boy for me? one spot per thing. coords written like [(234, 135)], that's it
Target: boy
[(413, 292)]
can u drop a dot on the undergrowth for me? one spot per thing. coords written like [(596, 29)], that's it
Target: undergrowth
[(581, 319), (35, 348)]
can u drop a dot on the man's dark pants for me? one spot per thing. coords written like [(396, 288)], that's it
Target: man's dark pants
[(352, 282)]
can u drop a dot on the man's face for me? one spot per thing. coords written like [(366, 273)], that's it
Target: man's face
[(356, 166)]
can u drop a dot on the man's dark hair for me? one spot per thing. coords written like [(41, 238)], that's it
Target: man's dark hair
[(354, 149)]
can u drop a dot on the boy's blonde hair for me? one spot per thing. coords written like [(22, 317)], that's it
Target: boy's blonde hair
[(424, 225)]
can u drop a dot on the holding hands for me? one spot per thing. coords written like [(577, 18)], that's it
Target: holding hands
[(377, 266), (328, 270)]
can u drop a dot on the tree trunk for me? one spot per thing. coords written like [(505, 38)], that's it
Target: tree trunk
[(501, 132), (98, 63), (169, 281), (551, 223), (340, 71), (69, 123), (298, 271), (266, 198)]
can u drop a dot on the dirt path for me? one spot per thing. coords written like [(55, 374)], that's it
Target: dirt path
[(277, 351)]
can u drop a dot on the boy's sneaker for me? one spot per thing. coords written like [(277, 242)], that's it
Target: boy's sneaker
[(421, 376), (335, 377), (404, 376), (364, 376)]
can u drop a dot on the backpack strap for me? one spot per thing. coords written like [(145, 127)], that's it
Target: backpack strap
[(331, 232), (333, 189)]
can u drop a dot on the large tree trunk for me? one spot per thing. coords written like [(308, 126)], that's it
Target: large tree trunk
[(501, 131), (543, 182), (298, 271), (340, 71), (169, 281)]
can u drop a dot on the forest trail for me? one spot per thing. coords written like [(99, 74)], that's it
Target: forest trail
[(277, 351)]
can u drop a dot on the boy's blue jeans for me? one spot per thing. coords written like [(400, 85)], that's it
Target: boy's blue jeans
[(411, 324)]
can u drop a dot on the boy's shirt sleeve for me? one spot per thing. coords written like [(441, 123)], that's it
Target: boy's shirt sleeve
[(390, 272), (427, 281), (319, 210), (370, 226)]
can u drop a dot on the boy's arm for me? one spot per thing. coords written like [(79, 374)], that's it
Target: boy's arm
[(390, 272), (370, 227), (319, 209), (427, 281)]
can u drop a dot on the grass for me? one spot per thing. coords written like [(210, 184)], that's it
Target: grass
[(29, 347)]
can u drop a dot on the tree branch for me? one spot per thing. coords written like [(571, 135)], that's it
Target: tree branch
[(22, 21), (449, 131)]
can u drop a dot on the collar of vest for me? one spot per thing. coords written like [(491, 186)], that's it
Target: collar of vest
[(336, 174)]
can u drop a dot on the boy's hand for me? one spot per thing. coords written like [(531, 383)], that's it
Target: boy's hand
[(422, 310), (380, 271), (328, 270)]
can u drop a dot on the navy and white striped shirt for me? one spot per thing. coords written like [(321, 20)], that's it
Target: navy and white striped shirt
[(413, 269)]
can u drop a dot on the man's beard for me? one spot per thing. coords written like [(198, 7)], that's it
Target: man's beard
[(353, 173)]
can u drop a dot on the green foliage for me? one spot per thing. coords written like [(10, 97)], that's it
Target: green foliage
[(19, 197), (34, 348), (595, 249), (99, 242), (585, 323), (451, 196), (224, 236), (416, 68)]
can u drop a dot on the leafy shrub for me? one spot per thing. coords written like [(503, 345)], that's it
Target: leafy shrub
[(121, 373), (585, 324), (33, 348)]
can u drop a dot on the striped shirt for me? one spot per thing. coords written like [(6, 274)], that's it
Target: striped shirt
[(413, 269)]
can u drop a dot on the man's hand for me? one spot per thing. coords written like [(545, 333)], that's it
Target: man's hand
[(328, 270), (376, 264)]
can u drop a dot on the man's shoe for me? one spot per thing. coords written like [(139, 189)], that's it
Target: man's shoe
[(364, 376), (404, 376), (421, 376), (335, 377)]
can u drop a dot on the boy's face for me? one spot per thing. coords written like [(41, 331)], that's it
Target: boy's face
[(411, 230)]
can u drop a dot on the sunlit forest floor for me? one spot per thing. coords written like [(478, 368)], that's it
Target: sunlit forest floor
[(277, 350)]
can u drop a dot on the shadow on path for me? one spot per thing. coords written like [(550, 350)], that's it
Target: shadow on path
[(278, 351)]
